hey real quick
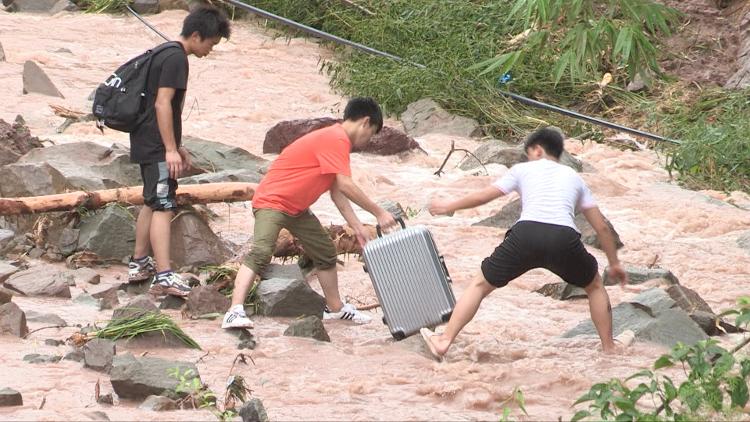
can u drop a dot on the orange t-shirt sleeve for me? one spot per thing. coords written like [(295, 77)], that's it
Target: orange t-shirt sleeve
[(334, 159)]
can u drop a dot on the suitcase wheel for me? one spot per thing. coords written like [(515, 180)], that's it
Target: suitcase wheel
[(364, 268), (384, 321), (399, 335), (446, 316)]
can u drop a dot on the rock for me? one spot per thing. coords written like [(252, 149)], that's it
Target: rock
[(394, 208), (145, 7), (138, 306), (106, 399), (20, 180), (388, 141), (98, 354), (588, 234), (5, 295), (174, 5), (253, 411), (84, 276), (13, 320), (158, 404), (206, 300), (68, 241), (6, 236), (45, 280), (37, 358), (172, 302), (51, 319), (211, 157), (136, 288), (50, 7), (138, 378), (653, 317), (741, 78), (289, 298), (53, 342), (36, 253), (87, 165), (6, 270), (498, 152), (96, 415), (108, 298), (637, 84), (286, 271), (15, 141), (640, 275), (2, 53), (109, 233), (743, 241), (562, 291), (75, 355), (88, 300), (311, 326), (232, 175), (10, 397), (35, 80), (426, 116), (194, 244)]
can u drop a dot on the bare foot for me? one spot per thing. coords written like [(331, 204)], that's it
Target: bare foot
[(619, 343), (437, 345)]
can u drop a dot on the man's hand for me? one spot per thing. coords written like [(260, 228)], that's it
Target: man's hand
[(385, 220), (363, 235), (440, 207), (174, 164), (618, 273), (186, 160)]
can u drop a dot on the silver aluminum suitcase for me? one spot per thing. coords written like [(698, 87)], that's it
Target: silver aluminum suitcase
[(410, 279)]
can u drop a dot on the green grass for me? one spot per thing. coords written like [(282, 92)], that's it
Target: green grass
[(127, 328)]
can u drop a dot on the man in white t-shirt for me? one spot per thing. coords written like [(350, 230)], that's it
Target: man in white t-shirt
[(544, 237)]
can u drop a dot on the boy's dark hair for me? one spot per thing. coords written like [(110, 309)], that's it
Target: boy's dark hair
[(208, 21), (360, 107), (549, 138)]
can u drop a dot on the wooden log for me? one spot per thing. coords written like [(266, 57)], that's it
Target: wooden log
[(186, 195)]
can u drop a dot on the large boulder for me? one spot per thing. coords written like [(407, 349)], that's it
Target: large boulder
[(138, 378), (640, 275), (231, 175), (7, 270), (212, 157), (87, 165), (499, 152), (146, 7), (389, 141), (135, 308), (562, 291), (310, 326), (15, 141), (36, 81), (511, 212), (109, 233), (22, 179), (98, 354), (50, 7), (5, 295), (194, 244), (653, 316), (108, 298), (289, 298), (40, 318), (286, 271), (204, 300), (45, 280), (10, 397), (426, 116), (253, 411), (158, 404), (13, 320)]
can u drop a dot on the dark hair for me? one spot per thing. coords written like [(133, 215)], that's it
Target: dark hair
[(208, 21), (549, 138), (360, 107)]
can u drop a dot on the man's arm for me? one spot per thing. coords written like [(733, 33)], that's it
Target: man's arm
[(345, 208), (607, 242), (471, 200), (163, 107), (345, 185)]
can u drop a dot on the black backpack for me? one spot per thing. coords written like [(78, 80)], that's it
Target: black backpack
[(119, 101)]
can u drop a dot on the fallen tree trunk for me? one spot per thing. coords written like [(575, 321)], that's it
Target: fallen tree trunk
[(186, 195)]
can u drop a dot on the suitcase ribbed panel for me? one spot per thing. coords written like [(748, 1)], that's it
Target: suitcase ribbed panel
[(409, 280)]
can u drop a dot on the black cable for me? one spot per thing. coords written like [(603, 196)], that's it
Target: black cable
[(146, 23)]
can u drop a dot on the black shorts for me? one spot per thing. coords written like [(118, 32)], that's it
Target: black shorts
[(529, 245), (158, 188)]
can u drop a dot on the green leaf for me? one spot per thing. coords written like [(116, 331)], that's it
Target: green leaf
[(724, 364), (663, 362), (690, 395), (520, 401), (713, 395), (738, 391), (580, 415)]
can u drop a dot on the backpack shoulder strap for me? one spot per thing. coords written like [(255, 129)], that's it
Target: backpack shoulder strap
[(166, 45)]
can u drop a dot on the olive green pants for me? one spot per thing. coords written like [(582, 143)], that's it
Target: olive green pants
[(306, 227)]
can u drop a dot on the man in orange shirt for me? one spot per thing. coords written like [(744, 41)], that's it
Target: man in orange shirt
[(313, 164)]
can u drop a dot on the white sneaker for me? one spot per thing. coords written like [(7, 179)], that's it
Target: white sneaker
[(348, 313), (236, 318), (169, 284)]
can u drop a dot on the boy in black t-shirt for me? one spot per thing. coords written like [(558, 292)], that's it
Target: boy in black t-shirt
[(156, 146)]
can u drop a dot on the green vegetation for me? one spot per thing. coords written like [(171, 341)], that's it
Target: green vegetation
[(142, 323)]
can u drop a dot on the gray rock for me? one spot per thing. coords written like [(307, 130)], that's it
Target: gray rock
[(88, 166), (88, 300), (172, 302), (146, 7), (52, 319), (139, 305), (15, 141), (106, 399), (231, 175), (562, 291), (36, 81), (253, 411), (96, 415), (6, 236), (653, 301), (75, 355), (98, 354), (50, 7), (2, 53), (13, 320), (138, 378), (194, 244), (45, 280), (394, 208), (36, 253), (211, 157), (743, 241), (640, 275), (53, 342), (108, 298), (136, 288), (286, 271), (311, 326), (21, 179), (498, 152), (158, 404), (68, 241), (109, 233), (84, 276), (7, 270), (289, 298), (10, 397), (37, 358), (5, 295), (206, 300), (426, 116), (637, 84)]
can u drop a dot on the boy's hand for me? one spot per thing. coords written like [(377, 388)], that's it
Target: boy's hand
[(385, 220), (618, 273), (186, 160), (174, 164), (440, 207), (363, 235)]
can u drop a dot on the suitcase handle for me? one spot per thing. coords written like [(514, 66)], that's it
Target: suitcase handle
[(400, 221), (445, 269)]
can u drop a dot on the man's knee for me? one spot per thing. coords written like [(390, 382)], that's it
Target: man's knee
[(258, 259)]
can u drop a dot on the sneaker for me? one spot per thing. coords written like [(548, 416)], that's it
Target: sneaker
[(236, 318), (169, 284), (348, 313), (141, 270)]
